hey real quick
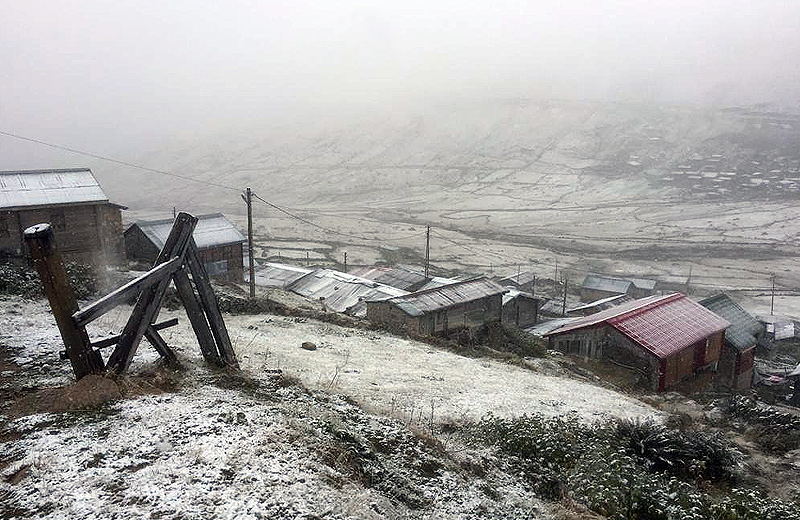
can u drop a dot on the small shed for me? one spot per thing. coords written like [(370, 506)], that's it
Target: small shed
[(667, 338), (219, 244), (87, 227), (469, 304), (735, 369), (520, 308)]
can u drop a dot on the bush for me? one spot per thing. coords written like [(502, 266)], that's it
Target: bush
[(776, 431), (24, 280)]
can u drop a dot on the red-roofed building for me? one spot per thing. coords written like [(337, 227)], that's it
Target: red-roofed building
[(667, 338)]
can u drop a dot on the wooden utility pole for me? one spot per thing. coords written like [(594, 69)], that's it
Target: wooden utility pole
[(564, 302), (555, 276), (250, 259), (772, 301), (427, 251), (689, 279), (345, 261), (533, 286)]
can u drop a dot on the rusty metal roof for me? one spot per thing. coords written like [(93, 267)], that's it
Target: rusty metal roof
[(744, 328), (661, 324), (211, 231), (395, 276), (438, 298), (27, 188)]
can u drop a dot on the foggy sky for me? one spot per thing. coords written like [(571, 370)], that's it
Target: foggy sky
[(115, 74)]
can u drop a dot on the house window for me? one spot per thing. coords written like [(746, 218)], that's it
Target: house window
[(215, 268)]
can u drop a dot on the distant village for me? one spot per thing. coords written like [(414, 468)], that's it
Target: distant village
[(650, 330)]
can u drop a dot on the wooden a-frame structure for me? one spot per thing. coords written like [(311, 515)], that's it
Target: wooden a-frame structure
[(176, 262)]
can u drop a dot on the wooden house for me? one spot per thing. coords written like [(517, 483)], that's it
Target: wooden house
[(522, 281), (342, 292), (520, 308), (598, 287), (87, 227), (468, 304), (220, 245), (735, 370), (666, 338)]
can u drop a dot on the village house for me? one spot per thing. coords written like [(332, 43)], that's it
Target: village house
[(778, 330), (219, 244), (735, 370), (598, 287), (666, 338), (520, 308), (87, 227), (469, 304), (272, 274)]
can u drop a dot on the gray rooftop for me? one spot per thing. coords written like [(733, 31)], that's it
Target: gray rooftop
[(31, 188), (278, 275), (599, 283), (211, 231), (744, 328), (439, 298), (395, 276), (342, 292), (519, 278)]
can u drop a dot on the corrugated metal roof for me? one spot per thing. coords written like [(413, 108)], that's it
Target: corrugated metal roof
[(641, 283), (278, 275), (661, 324), (341, 291), (211, 231), (613, 285), (515, 293), (541, 329), (601, 305), (26, 188), (438, 281), (438, 298), (395, 276), (519, 278), (744, 328)]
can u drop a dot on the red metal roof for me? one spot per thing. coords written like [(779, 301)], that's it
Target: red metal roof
[(663, 325)]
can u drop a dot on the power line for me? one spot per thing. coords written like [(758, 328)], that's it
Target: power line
[(329, 230), (116, 161)]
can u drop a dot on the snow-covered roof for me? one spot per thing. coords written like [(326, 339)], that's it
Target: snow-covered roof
[(438, 298), (278, 275), (341, 291), (30, 188), (744, 328), (399, 277), (212, 230), (515, 293), (598, 283)]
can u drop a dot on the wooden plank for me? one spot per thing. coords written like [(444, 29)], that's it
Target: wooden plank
[(119, 296), (112, 340), (155, 339), (149, 301), (42, 249), (209, 302), (196, 317)]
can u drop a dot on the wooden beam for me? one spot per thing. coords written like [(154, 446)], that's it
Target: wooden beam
[(155, 339), (149, 300), (196, 317), (119, 296), (209, 302), (112, 340), (42, 249)]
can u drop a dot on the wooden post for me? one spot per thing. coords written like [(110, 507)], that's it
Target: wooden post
[(47, 259), (427, 251), (209, 303), (564, 303), (149, 302), (196, 317), (251, 260), (345, 261), (772, 300)]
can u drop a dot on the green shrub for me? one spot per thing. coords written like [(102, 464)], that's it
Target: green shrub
[(24, 280)]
